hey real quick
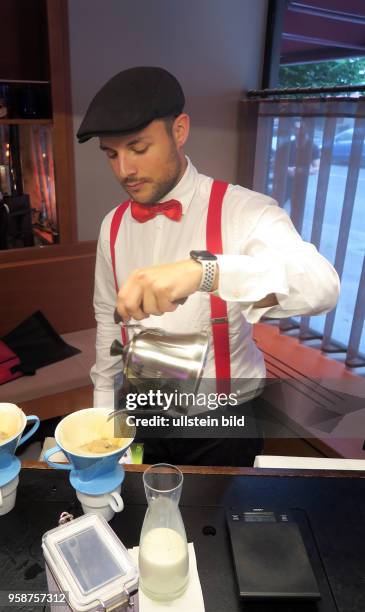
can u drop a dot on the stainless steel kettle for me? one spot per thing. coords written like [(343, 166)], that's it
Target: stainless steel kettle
[(156, 358)]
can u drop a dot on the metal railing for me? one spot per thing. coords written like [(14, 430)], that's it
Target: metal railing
[(320, 123)]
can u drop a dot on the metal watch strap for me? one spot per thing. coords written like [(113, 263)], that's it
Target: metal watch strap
[(209, 268)]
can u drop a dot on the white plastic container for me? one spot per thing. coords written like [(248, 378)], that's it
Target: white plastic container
[(87, 561), (104, 505), (8, 496)]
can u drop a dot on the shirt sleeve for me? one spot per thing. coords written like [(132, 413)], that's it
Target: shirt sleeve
[(105, 367), (274, 259)]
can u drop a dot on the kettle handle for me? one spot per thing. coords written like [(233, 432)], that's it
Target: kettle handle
[(118, 318)]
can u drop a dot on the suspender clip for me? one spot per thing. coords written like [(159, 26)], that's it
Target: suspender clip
[(219, 320)]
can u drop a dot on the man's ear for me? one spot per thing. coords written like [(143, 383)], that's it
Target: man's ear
[(180, 129)]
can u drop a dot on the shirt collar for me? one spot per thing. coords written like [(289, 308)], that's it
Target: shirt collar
[(184, 190)]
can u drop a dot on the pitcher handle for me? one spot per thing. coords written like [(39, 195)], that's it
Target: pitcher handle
[(116, 502), (59, 466), (31, 417)]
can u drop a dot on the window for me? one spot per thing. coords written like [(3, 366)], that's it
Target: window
[(316, 170)]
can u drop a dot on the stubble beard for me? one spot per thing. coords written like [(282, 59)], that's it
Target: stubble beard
[(165, 185)]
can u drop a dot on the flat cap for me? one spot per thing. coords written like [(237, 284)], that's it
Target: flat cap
[(130, 101)]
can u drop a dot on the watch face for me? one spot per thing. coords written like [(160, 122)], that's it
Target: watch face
[(206, 255)]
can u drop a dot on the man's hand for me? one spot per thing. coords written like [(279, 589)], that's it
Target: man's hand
[(155, 290)]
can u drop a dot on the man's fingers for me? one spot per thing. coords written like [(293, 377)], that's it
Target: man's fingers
[(165, 305), (139, 314), (124, 315), (149, 303), (117, 317), (152, 291), (129, 302), (131, 313)]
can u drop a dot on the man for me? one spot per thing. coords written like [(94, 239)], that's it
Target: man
[(304, 159), (265, 267)]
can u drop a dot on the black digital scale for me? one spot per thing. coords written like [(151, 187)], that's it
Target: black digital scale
[(270, 557)]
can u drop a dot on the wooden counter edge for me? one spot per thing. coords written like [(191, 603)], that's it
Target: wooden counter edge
[(231, 471)]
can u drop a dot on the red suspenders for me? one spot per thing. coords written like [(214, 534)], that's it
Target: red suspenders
[(218, 307), (219, 315), (114, 229)]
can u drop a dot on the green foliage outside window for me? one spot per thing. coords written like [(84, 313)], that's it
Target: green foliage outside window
[(348, 71)]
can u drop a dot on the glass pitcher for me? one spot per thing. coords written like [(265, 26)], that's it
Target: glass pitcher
[(163, 549)]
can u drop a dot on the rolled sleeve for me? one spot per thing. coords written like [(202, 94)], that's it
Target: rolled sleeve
[(275, 260)]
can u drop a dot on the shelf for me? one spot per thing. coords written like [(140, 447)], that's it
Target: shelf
[(26, 121), (25, 82)]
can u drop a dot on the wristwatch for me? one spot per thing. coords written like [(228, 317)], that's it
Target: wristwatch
[(208, 262)]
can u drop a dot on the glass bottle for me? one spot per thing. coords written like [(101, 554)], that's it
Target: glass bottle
[(4, 101), (163, 549), (29, 102)]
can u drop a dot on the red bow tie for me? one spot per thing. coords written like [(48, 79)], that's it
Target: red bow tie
[(144, 212)]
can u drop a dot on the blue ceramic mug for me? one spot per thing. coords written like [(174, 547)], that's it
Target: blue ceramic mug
[(13, 421), (80, 432)]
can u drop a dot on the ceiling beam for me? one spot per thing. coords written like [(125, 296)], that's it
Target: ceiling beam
[(315, 55), (309, 9), (322, 42)]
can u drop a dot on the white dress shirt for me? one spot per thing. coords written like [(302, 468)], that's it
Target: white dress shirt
[(263, 254)]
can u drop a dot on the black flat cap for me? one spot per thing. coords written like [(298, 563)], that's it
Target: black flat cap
[(130, 101)]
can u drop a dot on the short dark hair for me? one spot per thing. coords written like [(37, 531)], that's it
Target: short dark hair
[(168, 121)]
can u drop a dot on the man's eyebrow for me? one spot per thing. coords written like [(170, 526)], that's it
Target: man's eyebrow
[(136, 140)]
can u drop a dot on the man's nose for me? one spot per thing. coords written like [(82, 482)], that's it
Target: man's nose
[(126, 166)]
